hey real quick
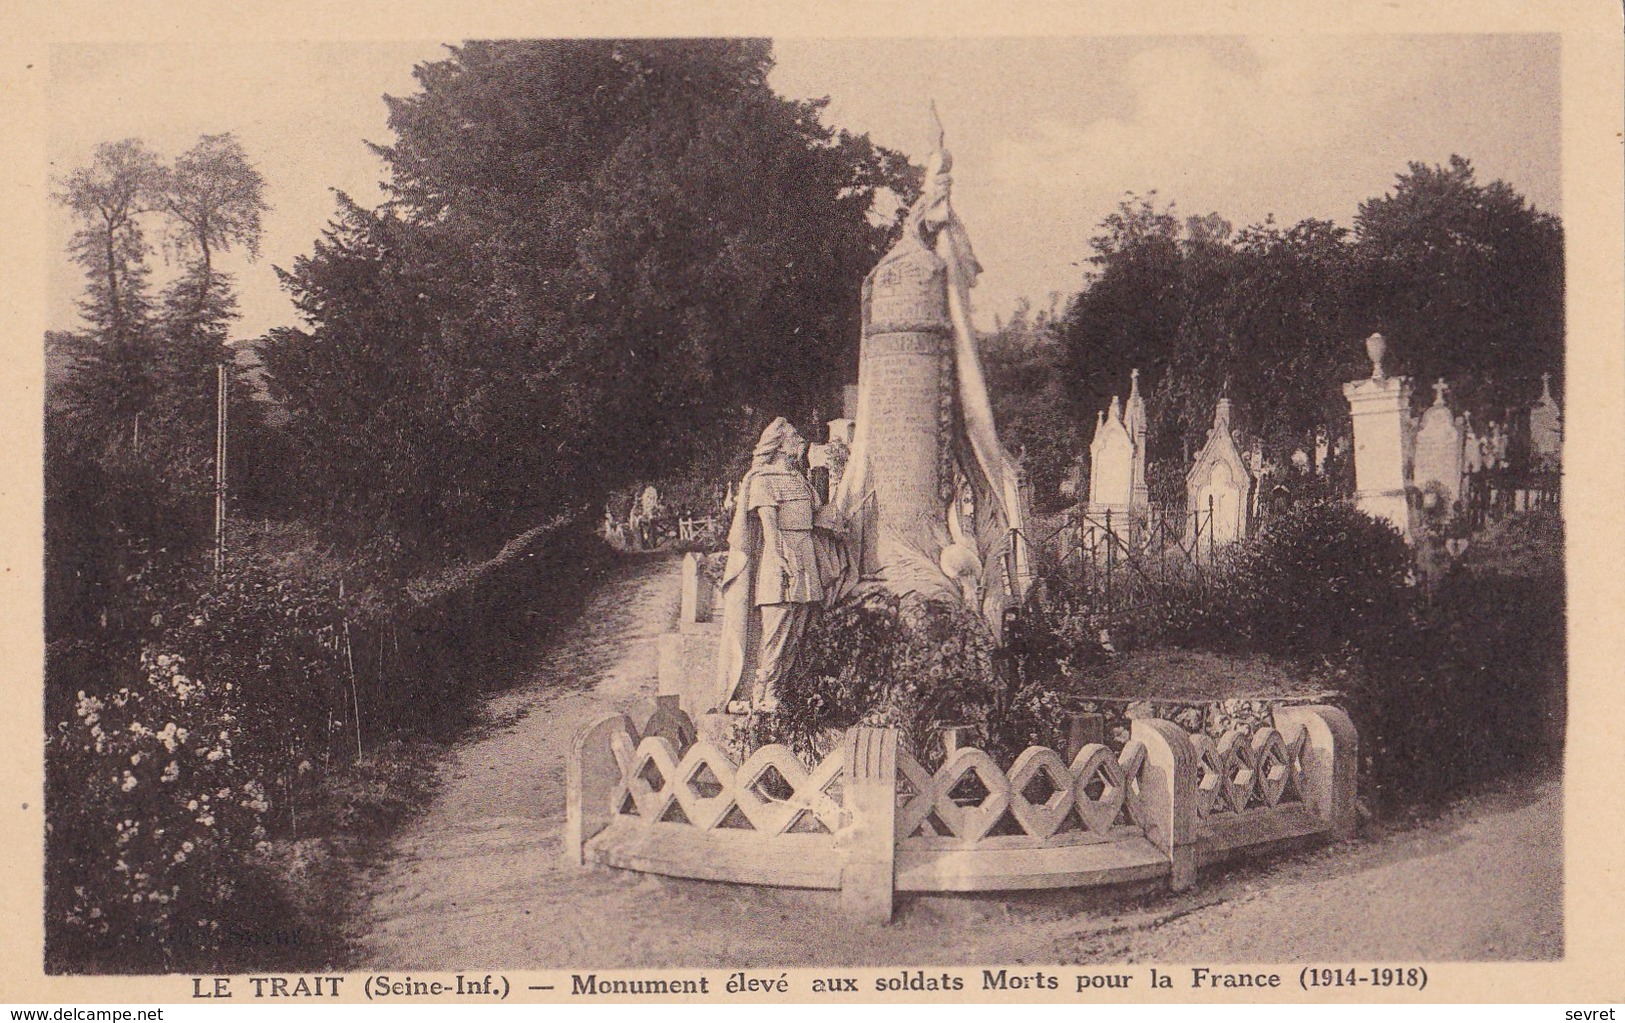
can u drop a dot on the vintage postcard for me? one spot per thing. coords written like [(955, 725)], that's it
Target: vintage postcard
[(814, 506)]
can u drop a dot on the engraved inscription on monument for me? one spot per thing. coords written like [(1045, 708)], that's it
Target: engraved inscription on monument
[(906, 374)]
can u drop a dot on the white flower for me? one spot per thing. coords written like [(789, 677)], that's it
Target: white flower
[(129, 782), (172, 772), (187, 846), (214, 754), (135, 760), (191, 805), (304, 767)]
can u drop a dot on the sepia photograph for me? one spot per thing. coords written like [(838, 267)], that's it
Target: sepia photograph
[(968, 516)]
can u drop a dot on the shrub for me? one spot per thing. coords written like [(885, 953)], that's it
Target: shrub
[(915, 665), (200, 744), (1471, 692), (1319, 579), (151, 811)]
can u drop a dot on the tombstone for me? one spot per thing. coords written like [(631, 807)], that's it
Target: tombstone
[(1380, 408), (1472, 452), (1546, 429), (1219, 480), (1134, 421), (1117, 458), (1111, 464), (1439, 441)]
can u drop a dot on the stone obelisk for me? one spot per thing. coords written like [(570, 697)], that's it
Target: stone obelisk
[(906, 372), (932, 497)]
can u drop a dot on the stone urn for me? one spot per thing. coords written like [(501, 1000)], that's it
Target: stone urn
[(1376, 346)]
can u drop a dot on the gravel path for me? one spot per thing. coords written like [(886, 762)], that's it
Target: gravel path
[(477, 880)]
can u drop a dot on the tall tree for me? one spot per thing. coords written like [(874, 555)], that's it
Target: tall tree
[(600, 260), (130, 412), (108, 198), (1150, 302), (1024, 362), (214, 198), (1467, 281)]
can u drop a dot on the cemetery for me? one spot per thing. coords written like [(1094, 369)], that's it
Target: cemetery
[(644, 532), (926, 505)]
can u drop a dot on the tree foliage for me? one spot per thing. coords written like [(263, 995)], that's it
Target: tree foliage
[(1465, 280), (599, 261), (1468, 278), (1027, 383), (130, 402)]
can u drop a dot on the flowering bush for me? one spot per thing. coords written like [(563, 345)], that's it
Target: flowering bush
[(274, 653), (200, 760), (145, 851), (916, 665), (179, 760)]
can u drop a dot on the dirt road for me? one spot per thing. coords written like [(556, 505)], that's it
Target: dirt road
[(478, 880)]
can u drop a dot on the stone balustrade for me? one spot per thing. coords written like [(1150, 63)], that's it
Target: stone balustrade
[(871, 821)]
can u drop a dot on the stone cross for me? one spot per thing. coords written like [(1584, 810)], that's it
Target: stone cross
[(1438, 391)]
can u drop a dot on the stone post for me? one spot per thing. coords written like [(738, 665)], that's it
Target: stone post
[(697, 597), (591, 777), (1331, 758), (1380, 407), (1168, 794), (869, 839)]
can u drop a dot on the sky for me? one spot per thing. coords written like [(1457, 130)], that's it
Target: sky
[(1048, 135)]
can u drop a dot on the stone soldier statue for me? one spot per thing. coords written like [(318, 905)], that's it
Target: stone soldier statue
[(785, 558)]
